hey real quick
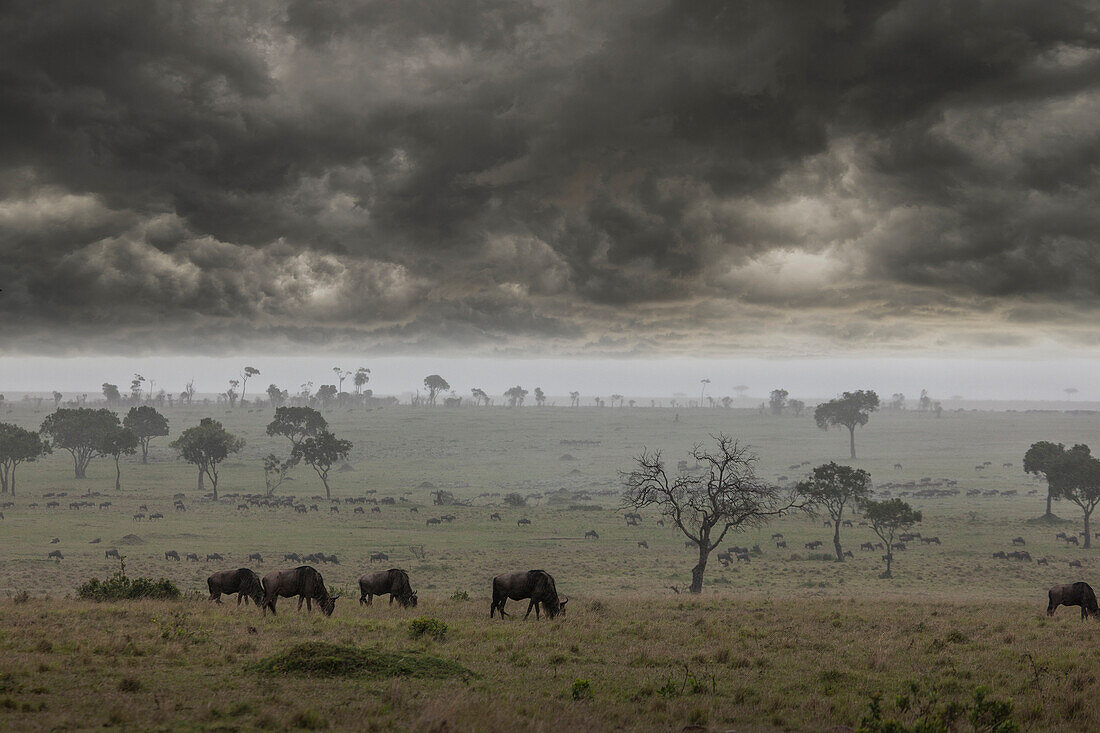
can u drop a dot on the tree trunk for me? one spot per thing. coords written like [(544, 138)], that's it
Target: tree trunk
[(1088, 533), (11, 482), (118, 475), (889, 560), (852, 440), (3, 478), (836, 541), (1050, 496), (698, 570), (78, 465), (200, 478), (328, 494), (145, 451)]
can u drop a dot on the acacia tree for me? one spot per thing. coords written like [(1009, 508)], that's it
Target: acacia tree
[(206, 445), (832, 488), (362, 376), (540, 397), (111, 393), (146, 423), (479, 396), (275, 471), (726, 495), (777, 401), (57, 397), (851, 410), (321, 452), (1038, 460), (1075, 475), (18, 445), (79, 430), (277, 396), (117, 442), (248, 372), (296, 424), (515, 396), (797, 406), (887, 518), (435, 385), (326, 394), (575, 399)]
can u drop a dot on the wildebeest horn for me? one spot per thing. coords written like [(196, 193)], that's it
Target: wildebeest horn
[(334, 597), (565, 601)]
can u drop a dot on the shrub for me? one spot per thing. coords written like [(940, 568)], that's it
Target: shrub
[(120, 587), (460, 595), (425, 626), (582, 689), (514, 499), (129, 684)]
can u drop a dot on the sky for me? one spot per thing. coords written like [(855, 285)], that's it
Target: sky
[(655, 183)]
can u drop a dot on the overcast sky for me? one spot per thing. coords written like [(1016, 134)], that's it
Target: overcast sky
[(570, 179)]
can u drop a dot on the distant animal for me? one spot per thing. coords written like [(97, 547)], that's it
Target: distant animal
[(55, 555), (777, 536), (334, 510), (848, 553), (96, 541), (256, 556), (303, 581), (1076, 594), (660, 522), (55, 540), (866, 546), (725, 558), (414, 510), (242, 581), (930, 540), (104, 505), (172, 555), (1018, 541), (292, 557), (1000, 554), (214, 556), (394, 581), (242, 507), (433, 520), (1075, 563), (643, 543), (780, 543), (359, 510), (538, 585), (494, 517), (192, 557), (155, 515), (111, 553), (1041, 561), (523, 522), (897, 466), (813, 545), (379, 557), (139, 517), (375, 510), (592, 533), (1071, 540)]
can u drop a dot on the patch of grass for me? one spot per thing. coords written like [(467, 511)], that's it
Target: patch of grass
[(582, 689), (460, 595), (323, 659), (129, 684), (426, 626)]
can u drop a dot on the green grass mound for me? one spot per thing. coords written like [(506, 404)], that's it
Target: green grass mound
[(322, 659)]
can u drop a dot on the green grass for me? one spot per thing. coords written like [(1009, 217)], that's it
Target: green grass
[(323, 659)]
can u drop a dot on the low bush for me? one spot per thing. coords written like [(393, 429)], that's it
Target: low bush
[(425, 626), (121, 587)]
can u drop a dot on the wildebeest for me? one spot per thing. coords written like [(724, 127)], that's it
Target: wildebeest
[(394, 581), (292, 557), (866, 546), (375, 510), (111, 553), (780, 543), (55, 555), (538, 585), (494, 517), (813, 545), (1076, 594), (1075, 563), (256, 556), (214, 556), (55, 540), (1018, 541), (930, 540), (643, 543), (243, 582), (359, 510), (523, 522), (192, 556), (303, 581), (172, 555), (592, 533), (379, 557), (432, 521)]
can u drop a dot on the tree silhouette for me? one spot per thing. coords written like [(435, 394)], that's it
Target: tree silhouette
[(575, 399), (18, 445), (146, 423), (832, 488), (887, 518), (321, 452), (117, 442), (852, 409), (245, 375), (515, 396), (1039, 459), (777, 401), (435, 384), (206, 445), (79, 431)]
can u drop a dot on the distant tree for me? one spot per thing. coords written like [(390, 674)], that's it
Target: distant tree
[(616, 398), (435, 385), (79, 431), (115, 443), (897, 401), (479, 396), (296, 424), (326, 394), (797, 406), (851, 410), (248, 373), (275, 471), (146, 423), (18, 445), (1070, 391), (57, 399), (937, 408), (515, 500), (777, 401), (631, 402), (515, 396), (188, 393), (341, 375), (442, 497), (206, 445), (111, 393), (231, 393), (321, 452), (1039, 459), (1075, 476), (727, 402), (135, 387), (740, 389), (924, 404), (540, 397), (726, 495), (575, 399), (703, 391), (277, 396), (831, 489), (887, 518), (362, 376)]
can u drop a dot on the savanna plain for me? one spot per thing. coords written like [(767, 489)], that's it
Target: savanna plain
[(788, 641)]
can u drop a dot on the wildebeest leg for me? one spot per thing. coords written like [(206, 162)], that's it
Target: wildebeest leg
[(1050, 604), (240, 597), (301, 600), (270, 604), (216, 597), (309, 604), (531, 605)]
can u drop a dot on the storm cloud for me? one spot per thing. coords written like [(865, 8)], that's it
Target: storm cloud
[(582, 178)]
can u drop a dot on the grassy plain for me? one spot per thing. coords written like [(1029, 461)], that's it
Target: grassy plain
[(781, 643)]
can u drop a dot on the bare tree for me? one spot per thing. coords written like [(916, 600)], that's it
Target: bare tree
[(245, 375), (726, 495)]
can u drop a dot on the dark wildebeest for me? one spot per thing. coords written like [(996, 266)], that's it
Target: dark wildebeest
[(192, 557), (591, 533), (1077, 594), (292, 557), (172, 555), (1018, 541), (214, 556), (494, 517), (256, 556), (432, 521), (111, 553), (394, 581), (537, 585), (55, 555), (304, 582), (379, 556), (242, 581), (523, 522)]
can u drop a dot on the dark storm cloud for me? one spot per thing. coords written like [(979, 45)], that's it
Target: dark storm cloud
[(586, 178)]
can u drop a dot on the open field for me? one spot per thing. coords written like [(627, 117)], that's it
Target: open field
[(782, 642)]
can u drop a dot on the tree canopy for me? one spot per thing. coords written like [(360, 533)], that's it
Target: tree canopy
[(322, 451), (18, 445), (146, 423), (832, 488), (887, 518), (79, 430), (1039, 459), (851, 410), (296, 424), (206, 445), (117, 442), (435, 384), (515, 396), (1074, 475)]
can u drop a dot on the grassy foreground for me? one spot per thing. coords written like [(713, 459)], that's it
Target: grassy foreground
[(632, 663)]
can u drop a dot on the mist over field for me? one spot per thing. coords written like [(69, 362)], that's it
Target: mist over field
[(499, 365)]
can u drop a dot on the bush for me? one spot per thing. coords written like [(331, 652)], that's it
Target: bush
[(120, 587), (425, 626), (460, 595), (582, 689), (514, 500)]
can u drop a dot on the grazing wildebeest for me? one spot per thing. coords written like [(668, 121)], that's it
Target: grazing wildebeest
[(292, 557), (867, 546), (111, 553), (1071, 540), (930, 540), (379, 557), (304, 582), (432, 521), (592, 533), (523, 522), (1018, 541), (643, 543), (55, 555), (537, 585), (1041, 561), (494, 517), (172, 555), (256, 556), (1076, 594), (724, 558), (780, 543), (359, 510), (243, 582), (55, 540), (1000, 554), (394, 581), (375, 510), (155, 515), (1075, 563), (813, 545), (334, 510), (192, 557), (777, 536), (214, 556), (139, 517)]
